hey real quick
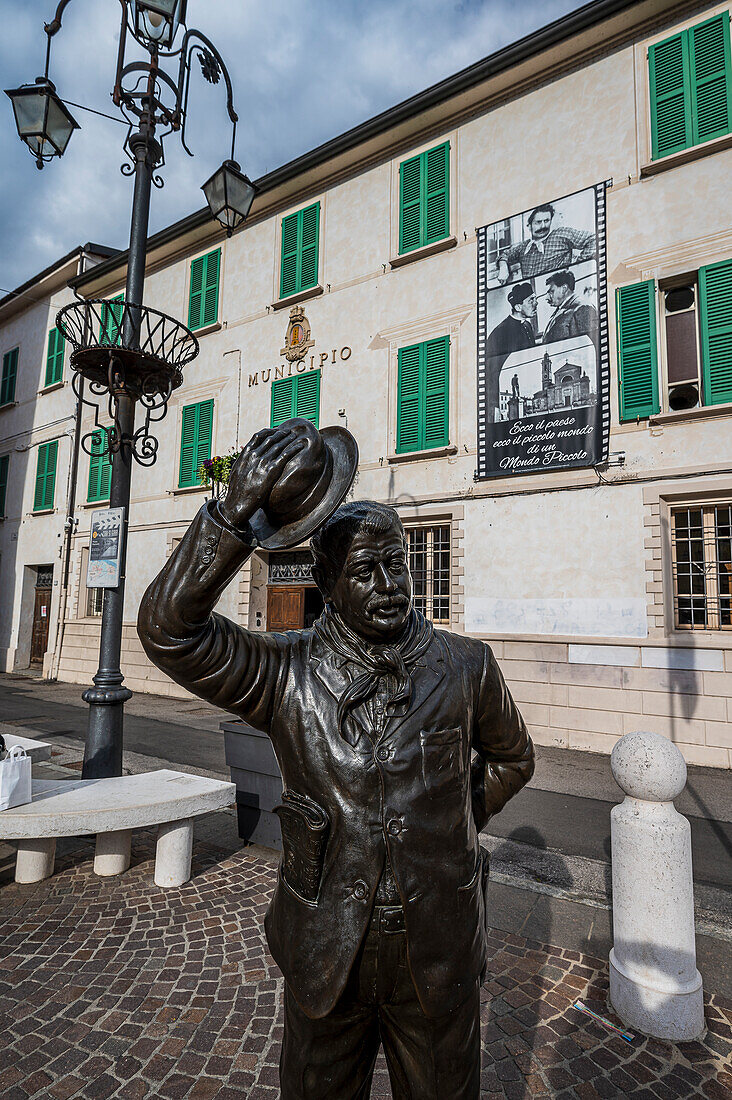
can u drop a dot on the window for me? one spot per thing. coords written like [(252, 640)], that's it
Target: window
[(696, 329), (203, 301), (100, 467), (195, 441), (300, 247), (45, 477), (429, 564), (110, 330), (94, 601), (298, 396), (54, 357), (91, 600), (424, 198), (701, 547), (4, 463), (422, 398), (10, 372), (690, 82)]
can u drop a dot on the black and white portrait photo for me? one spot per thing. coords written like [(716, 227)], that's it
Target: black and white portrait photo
[(541, 355)]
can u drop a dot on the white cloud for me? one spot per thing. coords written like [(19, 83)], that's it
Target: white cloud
[(301, 74)]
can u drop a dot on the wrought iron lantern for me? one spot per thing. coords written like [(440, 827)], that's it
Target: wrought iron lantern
[(44, 122), (229, 194), (157, 21)]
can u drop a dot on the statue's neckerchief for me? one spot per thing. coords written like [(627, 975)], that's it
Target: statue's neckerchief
[(375, 660)]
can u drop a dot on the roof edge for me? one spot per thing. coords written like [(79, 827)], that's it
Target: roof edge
[(78, 250)]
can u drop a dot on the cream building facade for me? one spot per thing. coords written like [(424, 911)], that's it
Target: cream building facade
[(37, 436), (604, 591)]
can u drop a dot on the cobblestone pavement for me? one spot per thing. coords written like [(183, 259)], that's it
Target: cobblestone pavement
[(115, 988)]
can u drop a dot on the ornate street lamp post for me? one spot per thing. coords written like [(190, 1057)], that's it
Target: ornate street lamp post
[(127, 353)]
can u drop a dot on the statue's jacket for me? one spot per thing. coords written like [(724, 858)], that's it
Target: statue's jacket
[(420, 788)]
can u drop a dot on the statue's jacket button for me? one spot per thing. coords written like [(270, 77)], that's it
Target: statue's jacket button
[(382, 754), (394, 827), (360, 890)]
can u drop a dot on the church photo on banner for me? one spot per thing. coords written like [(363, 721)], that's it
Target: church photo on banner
[(543, 368)]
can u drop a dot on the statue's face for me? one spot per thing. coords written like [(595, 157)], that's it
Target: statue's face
[(373, 594)]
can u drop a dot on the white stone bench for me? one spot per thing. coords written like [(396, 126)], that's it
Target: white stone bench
[(37, 750), (111, 809)]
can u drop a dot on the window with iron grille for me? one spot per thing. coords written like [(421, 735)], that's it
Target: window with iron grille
[(701, 545), (94, 601), (429, 564)]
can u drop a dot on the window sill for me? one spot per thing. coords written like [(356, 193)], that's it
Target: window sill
[(422, 253), (8, 405), (53, 386), (181, 490), (704, 412), (303, 296), (95, 503), (414, 456), (205, 329), (684, 156), (43, 512)]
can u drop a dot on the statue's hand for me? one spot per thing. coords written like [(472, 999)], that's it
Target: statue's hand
[(255, 472)]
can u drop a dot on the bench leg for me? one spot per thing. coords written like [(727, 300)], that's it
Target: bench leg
[(112, 854), (173, 853), (35, 859)]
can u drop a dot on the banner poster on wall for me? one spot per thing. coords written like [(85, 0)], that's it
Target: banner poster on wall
[(543, 363)]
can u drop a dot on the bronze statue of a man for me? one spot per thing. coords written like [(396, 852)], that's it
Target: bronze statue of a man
[(396, 743)]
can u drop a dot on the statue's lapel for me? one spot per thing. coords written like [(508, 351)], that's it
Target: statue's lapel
[(336, 675)]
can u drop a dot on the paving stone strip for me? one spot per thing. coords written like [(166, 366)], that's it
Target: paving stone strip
[(115, 988)]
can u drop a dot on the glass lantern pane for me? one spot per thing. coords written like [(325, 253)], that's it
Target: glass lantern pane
[(215, 192), (240, 194), (29, 111), (58, 126)]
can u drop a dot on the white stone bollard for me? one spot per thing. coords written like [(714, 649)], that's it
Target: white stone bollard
[(173, 852), (655, 987)]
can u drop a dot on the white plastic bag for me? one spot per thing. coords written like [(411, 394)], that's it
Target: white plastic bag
[(15, 778)]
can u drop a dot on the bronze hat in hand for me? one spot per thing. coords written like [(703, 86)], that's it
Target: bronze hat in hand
[(313, 484)]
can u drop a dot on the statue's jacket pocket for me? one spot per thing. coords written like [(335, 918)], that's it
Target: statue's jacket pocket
[(305, 826), (442, 760)]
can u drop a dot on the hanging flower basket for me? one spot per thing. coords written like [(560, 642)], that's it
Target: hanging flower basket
[(214, 472)]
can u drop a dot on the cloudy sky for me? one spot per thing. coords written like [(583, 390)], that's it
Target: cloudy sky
[(302, 73)]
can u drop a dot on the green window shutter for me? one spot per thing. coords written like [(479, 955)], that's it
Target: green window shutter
[(410, 204), (437, 196), (195, 298), (637, 350), (205, 433), (669, 78), (309, 244), (284, 396), (715, 295), (424, 198), (300, 250), (54, 357), (307, 396), (288, 265), (110, 330), (45, 477), (435, 425), (4, 463), (711, 79), (195, 441), (100, 467), (203, 299), (10, 373), (408, 394)]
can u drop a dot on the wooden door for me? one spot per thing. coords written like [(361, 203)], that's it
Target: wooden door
[(285, 607), (41, 619)]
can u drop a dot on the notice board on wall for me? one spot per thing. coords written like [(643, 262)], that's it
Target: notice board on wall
[(543, 358)]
